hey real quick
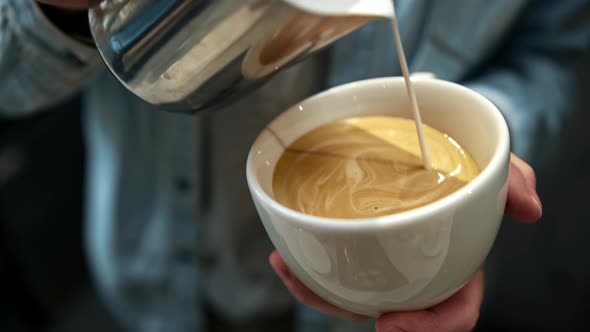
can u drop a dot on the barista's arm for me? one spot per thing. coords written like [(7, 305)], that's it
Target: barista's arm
[(39, 62), (535, 77)]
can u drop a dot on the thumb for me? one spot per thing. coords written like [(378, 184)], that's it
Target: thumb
[(523, 203)]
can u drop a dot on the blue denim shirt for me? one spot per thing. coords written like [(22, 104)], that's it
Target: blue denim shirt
[(170, 225)]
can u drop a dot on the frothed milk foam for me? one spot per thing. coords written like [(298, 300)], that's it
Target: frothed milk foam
[(372, 166)]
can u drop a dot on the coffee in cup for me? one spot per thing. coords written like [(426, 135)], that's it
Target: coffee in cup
[(364, 167), (409, 260)]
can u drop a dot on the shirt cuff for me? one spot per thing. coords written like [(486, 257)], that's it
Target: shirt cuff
[(57, 39)]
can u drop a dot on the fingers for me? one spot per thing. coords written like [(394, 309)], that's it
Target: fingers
[(458, 313), (304, 294), (461, 311), (523, 203), (526, 170)]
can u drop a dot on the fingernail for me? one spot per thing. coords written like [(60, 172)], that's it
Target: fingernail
[(537, 203)]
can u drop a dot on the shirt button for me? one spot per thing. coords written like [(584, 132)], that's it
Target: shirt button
[(182, 184), (184, 255), (206, 259)]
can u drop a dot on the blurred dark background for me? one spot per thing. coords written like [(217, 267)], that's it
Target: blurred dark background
[(44, 282), (538, 276)]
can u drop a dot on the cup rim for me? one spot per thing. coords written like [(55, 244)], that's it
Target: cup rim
[(401, 219)]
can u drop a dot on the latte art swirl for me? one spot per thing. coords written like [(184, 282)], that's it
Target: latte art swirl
[(368, 166)]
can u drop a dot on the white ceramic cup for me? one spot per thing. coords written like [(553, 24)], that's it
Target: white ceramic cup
[(405, 261)]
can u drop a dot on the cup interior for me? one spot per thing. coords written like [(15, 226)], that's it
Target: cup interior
[(469, 118)]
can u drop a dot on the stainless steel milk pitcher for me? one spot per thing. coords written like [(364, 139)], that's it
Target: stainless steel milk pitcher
[(192, 55)]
